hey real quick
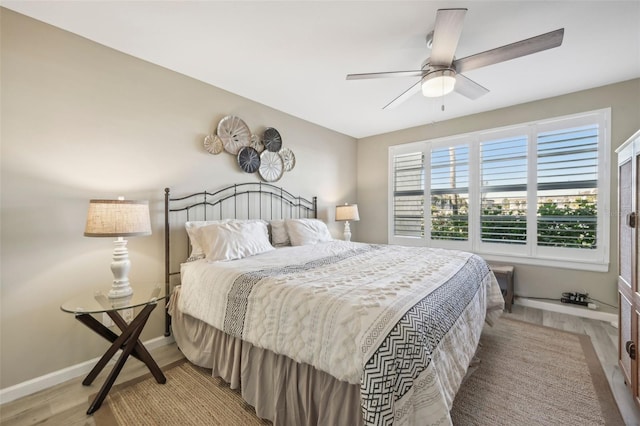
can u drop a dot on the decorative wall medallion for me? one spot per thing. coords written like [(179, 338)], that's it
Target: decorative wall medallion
[(213, 144), (272, 140), (265, 156), (234, 133), (256, 143), (288, 159), (271, 166), (248, 159)]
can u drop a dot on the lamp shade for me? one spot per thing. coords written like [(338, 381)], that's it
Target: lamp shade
[(117, 218), (438, 83), (347, 212)]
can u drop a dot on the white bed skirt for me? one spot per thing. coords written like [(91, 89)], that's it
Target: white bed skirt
[(280, 389)]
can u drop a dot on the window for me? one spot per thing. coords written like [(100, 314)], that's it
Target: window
[(450, 193), (533, 192), (567, 195), (503, 190), (408, 194)]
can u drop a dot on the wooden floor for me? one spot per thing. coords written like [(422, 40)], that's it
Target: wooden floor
[(66, 404)]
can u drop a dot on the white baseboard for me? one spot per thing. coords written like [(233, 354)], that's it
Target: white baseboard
[(569, 309), (54, 378)]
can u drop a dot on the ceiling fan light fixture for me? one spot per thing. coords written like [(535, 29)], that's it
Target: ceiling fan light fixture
[(438, 83)]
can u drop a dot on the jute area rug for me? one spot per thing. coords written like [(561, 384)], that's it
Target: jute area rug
[(527, 375), (534, 375)]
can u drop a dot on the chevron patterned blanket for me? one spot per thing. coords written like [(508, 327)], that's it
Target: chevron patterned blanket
[(402, 322)]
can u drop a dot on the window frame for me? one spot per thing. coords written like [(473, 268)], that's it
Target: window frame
[(529, 253)]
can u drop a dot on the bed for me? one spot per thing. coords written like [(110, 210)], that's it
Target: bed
[(314, 330)]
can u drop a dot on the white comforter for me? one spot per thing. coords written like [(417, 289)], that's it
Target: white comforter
[(332, 305)]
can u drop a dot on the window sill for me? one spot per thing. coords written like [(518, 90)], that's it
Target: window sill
[(554, 263), (495, 254)]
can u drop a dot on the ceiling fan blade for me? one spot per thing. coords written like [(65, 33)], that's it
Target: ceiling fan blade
[(446, 35), (414, 73), (510, 51), (469, 88), (404, 96)]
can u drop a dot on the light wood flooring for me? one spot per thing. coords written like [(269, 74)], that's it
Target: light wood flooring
[(66, 403)]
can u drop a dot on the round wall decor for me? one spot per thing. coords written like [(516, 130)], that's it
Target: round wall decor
[(264, 155), (248, 159), (288, 159), (256, 143), (213, 144), (271, 166), (234, 133), (272, 140)]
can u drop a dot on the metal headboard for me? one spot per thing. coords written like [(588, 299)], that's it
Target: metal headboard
[(239, 201)]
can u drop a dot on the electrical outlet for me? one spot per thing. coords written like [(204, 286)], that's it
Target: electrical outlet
[(127, 315), (106, 320)]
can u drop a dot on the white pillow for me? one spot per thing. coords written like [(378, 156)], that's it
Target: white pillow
[(234, 240), (197, 252), (279, 235), (191, 227), (307, 231)]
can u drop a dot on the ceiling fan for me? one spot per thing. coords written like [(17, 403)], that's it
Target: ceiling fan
[(442, 73)]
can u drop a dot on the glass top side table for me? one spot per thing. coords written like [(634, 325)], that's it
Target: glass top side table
[(98, 302), (145, 296)]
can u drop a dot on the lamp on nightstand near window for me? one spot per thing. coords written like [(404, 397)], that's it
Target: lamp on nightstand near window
[(118, 218), (346, 213)]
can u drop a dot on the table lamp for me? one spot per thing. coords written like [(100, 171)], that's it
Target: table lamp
[(346, 213), (118, 218)]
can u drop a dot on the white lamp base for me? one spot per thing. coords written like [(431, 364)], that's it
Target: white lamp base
[(120, 268), (347, 231)]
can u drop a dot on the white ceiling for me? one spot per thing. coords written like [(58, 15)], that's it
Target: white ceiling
[(294, 55)]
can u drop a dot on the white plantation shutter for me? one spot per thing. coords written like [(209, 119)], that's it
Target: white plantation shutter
[(567, 176), (530, 193), (450, 193), (408, 194), (503, 190)]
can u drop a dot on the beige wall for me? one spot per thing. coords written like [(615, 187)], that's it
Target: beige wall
[(82, 121), (372, 167)]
